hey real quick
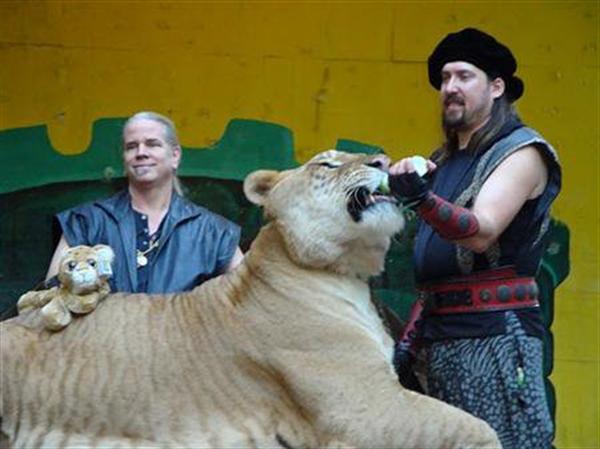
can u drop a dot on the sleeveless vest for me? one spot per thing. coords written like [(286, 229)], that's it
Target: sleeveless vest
[(459, 179), (195, 244)]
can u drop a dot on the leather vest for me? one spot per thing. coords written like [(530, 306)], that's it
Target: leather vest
[(521, 244), (195, 245)]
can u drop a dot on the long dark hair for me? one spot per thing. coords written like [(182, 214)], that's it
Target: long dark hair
[(502, 111)]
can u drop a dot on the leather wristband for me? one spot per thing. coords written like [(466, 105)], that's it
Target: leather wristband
[(450, 221)]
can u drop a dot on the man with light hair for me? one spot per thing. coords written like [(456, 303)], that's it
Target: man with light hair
[(163, 243)]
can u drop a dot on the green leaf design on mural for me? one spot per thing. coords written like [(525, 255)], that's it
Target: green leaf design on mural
[(27, 158)]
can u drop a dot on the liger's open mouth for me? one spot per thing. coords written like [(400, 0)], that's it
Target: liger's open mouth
[(361, 199)]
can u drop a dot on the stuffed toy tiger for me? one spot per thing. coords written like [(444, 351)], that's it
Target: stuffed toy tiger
[(83, 275), (285, 351)]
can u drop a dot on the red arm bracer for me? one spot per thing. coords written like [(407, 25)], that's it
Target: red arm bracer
[(450, 221)]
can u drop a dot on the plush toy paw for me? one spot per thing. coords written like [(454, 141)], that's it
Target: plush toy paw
[(55, 314), (35, 299), (85, 303)]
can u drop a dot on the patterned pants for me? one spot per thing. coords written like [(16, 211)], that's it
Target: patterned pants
[(498, 379)]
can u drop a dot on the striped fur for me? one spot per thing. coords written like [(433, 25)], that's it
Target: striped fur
[(286, 351)]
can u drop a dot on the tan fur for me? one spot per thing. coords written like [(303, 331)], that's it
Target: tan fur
[(83, 274), (286, 351)]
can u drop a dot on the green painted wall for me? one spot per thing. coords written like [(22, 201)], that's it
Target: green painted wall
[(326, 70)]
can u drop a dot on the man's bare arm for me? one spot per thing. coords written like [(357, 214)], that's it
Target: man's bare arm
[(58, 252), (235, 260), (521, 177)]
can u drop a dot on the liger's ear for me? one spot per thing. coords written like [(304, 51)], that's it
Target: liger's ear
[(258, 184)]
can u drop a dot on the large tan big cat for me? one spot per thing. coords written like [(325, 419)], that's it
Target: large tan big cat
[(287, 351)]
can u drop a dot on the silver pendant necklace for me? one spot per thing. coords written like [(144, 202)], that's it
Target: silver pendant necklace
[(140, 256)]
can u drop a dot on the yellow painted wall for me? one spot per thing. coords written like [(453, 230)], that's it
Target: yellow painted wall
[(326, 70)]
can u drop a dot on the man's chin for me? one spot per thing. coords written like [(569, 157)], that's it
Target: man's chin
[(149, 182), (454, 122), (146, 178), (141, 172)]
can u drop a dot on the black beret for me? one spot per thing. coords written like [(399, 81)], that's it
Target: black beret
[(480, 49)]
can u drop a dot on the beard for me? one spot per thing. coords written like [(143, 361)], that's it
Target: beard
[(458, 118), (455, 122)]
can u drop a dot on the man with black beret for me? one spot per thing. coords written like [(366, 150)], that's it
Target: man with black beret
[(484, 209)]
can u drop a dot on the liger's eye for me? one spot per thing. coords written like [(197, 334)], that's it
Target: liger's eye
[(91, 262), (71, 265), (328, 165)]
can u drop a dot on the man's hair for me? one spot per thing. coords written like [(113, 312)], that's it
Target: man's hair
[(502, 111), (170, 136)]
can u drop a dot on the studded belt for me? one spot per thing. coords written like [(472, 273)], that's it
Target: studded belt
[(491, 290)]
